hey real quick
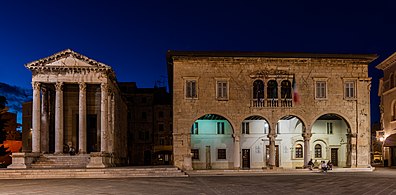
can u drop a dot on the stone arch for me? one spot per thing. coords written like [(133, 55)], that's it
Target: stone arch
[(212, 142), (299, 117), (339, 115), (218, 114)]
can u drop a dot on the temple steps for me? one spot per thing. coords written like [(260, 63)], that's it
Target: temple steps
[(114, 172), (59, 162)]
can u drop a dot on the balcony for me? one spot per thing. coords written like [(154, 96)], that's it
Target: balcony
[(271, 103)]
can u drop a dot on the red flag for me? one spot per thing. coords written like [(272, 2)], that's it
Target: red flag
[(296, 97)]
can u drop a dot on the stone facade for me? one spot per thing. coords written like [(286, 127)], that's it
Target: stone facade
[(77, 103), (232, 89), (387, 92)]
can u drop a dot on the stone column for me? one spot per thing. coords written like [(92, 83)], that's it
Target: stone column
[(44, 121), (36, 117), (237, 152), (103, 117), (307, 147), (59, 118), (110, 121), (82, 119), (271, 137)]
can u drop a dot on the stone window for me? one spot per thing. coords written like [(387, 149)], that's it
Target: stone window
[(221, 154), (318, 151), (222, 90), (299, 151), (329, 128), (258, 90), (272, 89), (245, 128), (320, 89), (220, 128), (195, 154), (194, 128), (349, 87), (191, 89), (286, 90)]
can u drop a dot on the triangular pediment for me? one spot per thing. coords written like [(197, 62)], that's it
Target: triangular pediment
[(66, 59)]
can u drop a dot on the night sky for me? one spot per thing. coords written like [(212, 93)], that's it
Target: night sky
[(133, 36)]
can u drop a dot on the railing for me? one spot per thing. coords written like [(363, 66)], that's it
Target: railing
[(261, 103)]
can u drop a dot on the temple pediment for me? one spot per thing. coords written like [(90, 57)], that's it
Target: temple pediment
[(67, 59)]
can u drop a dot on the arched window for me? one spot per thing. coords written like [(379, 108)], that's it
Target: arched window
[(318, 151), (272, 89), (299, 151), (258, 89), (286, 89)]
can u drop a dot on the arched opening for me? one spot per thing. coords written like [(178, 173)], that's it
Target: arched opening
[(272, 93), (330, 132), (212, 143), (254, 130), (290, 129), (258, 93), (286, 97)]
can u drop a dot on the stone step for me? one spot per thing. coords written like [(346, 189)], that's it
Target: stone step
[(90, 173)]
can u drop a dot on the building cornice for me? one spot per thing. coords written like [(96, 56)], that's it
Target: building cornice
[(387, 62)]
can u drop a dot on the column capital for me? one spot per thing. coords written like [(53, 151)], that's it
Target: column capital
[(36, 85), (83, 86), (59, 86), (236, 137), (104, 87), (272, 136), (307, 136)]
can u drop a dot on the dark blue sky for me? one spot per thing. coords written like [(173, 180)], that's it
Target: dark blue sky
[(133, 36)]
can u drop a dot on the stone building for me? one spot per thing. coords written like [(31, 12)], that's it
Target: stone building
[(236, 110), (387, 92), (76, 104), (149, 124)]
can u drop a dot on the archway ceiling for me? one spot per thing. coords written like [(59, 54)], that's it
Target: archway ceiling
[(212, 117), (329, 117), (255, 118)]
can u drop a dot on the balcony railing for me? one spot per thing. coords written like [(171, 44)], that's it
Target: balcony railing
[(261, 103)]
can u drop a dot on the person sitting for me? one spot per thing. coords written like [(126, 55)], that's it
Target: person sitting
[(323, 166), (310, 164), (329, 165), (72, 151)]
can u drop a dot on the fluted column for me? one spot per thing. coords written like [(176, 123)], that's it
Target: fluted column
[(59, 118), (36, 117), (82, 119), (307, 147), (110, 124), (44, 121), (103, 117), (237, 152)]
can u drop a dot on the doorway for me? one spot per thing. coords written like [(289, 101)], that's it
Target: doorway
[(334, 156), (245, 158), (208, 159)]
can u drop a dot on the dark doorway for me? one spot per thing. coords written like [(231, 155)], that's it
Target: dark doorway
[(92, 140), (147, 157), (246, 158), (334, 156), (393, 156)]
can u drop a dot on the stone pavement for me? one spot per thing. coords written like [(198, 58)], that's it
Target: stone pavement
[(380, 181)]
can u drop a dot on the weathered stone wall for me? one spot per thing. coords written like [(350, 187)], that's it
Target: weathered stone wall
[(238, 71)]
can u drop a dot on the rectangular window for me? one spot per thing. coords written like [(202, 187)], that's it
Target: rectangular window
[(194, 128), (349, 89), (221, 154), (320, 89), (222, 90), (191, 89), (220, 128), (245, 128), (195, 154), (329, 128)]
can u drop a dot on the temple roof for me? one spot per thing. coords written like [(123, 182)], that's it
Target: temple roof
[(67, 59)]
